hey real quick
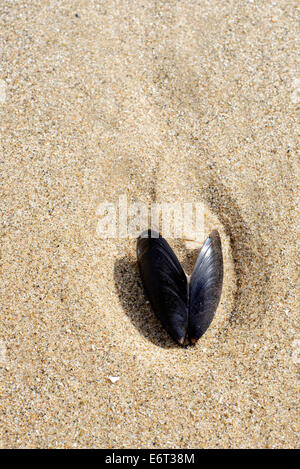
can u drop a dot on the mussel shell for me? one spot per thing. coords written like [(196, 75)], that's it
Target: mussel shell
[(205, 287), (185, 308), (165, 283)]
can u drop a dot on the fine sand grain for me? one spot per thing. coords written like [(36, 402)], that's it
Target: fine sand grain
[(186, 101)]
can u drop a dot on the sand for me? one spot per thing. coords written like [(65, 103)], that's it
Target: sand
[(166, 101)]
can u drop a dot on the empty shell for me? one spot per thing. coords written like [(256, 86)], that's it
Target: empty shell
[(185, 307), (205, 287), (165, 283)]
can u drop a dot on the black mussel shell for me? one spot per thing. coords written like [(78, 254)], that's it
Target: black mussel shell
[(165, 283), (205, 287), (185, 308)]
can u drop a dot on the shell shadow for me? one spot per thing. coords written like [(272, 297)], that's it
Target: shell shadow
[(132, 298)]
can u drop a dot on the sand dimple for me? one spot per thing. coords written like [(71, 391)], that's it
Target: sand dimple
[(143, 335)]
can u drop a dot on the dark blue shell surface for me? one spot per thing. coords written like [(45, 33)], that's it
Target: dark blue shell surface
[(185, 308), (165, 283)]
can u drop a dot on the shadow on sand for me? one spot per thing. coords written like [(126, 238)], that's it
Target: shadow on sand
[(252, 274)]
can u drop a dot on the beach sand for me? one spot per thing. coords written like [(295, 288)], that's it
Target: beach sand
[(190, 101)]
